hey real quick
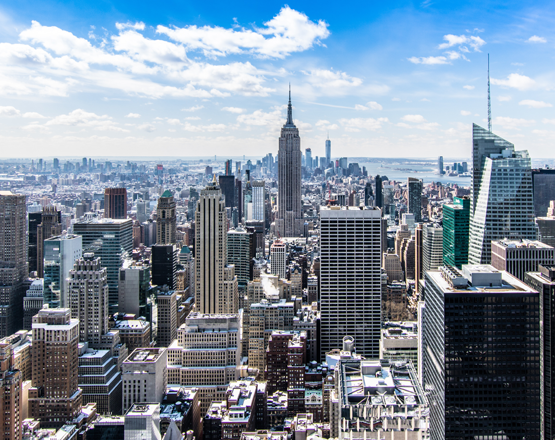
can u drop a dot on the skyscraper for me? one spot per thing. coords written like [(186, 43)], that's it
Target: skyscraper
[(164, 265), (543, 182), (481, 349), (289, 219), (502, 197), (50, 225), (166, 219), (440, 166), (432, 247), (115, 203), (13, 255), (456, 224), (350, 278), (216, 283), (258, 199), (10, 390), (308, 158), (240, 252), (328, 151), (379, 193), (227, 185), (414, 196)]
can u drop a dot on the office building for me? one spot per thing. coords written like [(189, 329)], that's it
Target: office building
[(134, 333), (543, 281), (278, 258), (88, 298), (418, 255), (289, 219), (55, 397), (376, 399), (164, 265), (206, 354), (144, 376), (49, 226), (400, 342), (143, 210), (546, 226), (33, 222), (166, 218), (328, 151), (167, 317), (142, 422), (258, 200), (133, 286), (13, 255), (502, 203), (481, 350), (240, 252), (32, 302), (432, 247), (456, 232), (520, 256), (543, 184), (60, 254), (414, 198), (227, 185), (379, 196), (350, 278), (308, 159), (112, 241), (12, 401), (440, 170), (115, 203), (215, 281)]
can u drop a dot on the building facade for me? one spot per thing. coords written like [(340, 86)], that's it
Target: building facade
[(115, 203), (456, 232), (166, 218)]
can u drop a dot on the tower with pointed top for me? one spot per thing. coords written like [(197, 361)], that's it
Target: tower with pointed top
[(289, 219)]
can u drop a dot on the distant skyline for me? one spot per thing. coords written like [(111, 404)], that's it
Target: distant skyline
[(406, 79)]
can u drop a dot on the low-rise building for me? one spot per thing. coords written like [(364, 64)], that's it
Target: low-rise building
[(400, 342)]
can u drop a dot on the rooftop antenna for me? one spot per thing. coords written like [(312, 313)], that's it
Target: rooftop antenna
[(489, 101)]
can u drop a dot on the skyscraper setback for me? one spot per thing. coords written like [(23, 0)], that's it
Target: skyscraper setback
[(289, 218)]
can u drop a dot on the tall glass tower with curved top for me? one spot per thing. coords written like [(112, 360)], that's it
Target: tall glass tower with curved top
[(289, 220), (502, 204)]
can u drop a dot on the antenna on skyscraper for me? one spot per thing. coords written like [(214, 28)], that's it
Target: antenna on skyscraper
[(489, 101)]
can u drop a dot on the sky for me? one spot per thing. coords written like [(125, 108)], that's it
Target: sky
[(182, 78)]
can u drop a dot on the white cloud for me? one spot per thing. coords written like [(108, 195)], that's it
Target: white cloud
[(289, 31), (143, 49), (413, 118), (133, 115), (548, 121), (174, 122), (233, 109), (204, 128), (465, 113), (504, 98), (534, 104), (326, 125), (374, 105), (192, 109), (81, 118), (516, 81), (395, 99), (149, 128), (355, 124), (260, 118), (429, 60), (360, 107), (462, 40), (536, 39), (33, 115), (468, 87), (418, 122), (140, 26), (512, 123), (9, 111), (425, 100), (192, 118), (331, 80)]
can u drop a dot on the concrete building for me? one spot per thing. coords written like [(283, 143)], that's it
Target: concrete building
[(13, 254), (134, 282), (144, 376), (521, 256), (289, 219), (142, 422), (432, 247), (206, 355), (378, 399), (166, 217), (115, 203), (60, 254), (167, 317), (400, 342), (278, 258), (392, 267), (134, 333), (55, 397), (472, 319), (12, 399), (32, 302)]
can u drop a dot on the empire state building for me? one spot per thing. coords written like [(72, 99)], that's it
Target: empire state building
[(289, 221)]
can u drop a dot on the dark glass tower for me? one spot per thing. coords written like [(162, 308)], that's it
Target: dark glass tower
[(379, 192), (414, 205)]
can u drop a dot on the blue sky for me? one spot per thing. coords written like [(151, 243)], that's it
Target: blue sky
[(180, 78)]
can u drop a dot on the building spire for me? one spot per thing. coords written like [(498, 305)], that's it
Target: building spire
[(289, 111), (489, 102)]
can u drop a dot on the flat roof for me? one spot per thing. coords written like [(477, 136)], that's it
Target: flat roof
[(510, 284), (145, 355)]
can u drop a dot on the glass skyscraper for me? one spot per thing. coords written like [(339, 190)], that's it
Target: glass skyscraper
[(502, 197), (456, 224)]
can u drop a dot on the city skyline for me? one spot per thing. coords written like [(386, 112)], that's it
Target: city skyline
[(178, 79)]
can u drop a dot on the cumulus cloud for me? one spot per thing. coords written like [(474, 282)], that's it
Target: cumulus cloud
[(331, 80), (465, 113), (140, 26), (133, 115), (462, 40), (374, 105), (462, 44), (536, 39), (9, 111), (149, 128), (204, 128), (82, 118), (288, 32), (516, 81), (504, 98), (356, 124), (33, 115), (326, 125), (261, 118), (548, 121), (534, 104), (468, 87), (194, 108), (233, 109), (513, 123), (429, 60), (413, 118), (418, 122)]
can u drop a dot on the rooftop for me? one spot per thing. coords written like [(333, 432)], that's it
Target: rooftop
[(143, 355), (521, 244)]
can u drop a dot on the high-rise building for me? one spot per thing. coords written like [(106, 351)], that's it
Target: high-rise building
[(520, 256), (88, 298), (166, 301), (166, 218), (134, 282), (240, 252), (33, 302), (368, 194), (289, 218), (60, 254), (456, 225), (278, 258), (308, 158), (350, 278), (379, 197), (143, 210), (216, 283), (49, 226), (440, 170), (328, 151), (414, 198), (10, 388), (13, 255), (115, 203), (33, 222), (258, 199), (432, 247), (546, 225), (229, 167), (543, 281), (112, 241), (142, 422), (543, 184), (502, 198), (164, 265), (55, 397), (481, 349), (227, 185)]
